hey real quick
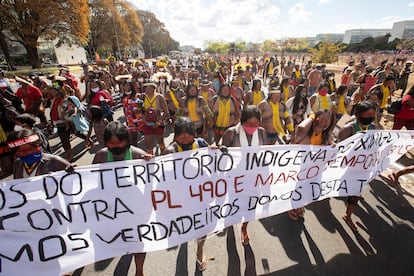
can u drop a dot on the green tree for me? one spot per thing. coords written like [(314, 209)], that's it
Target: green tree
[(216, 46), (405, 44), (269, 46), (4, 45), (156, 40), (325, 52), (115, 25), (240, 45), (27, 21)]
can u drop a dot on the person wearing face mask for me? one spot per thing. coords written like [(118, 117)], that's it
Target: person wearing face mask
[(340, 101), (162, 80), (365, 114), (102, 98), (321, 100), (246, 133), (185, 139), (173, 98), (196, 108), (315, 130), (28, 121), (276, 118), (131, 103), (225, 111), (330, 79), (255, 95), (118, 148), (299, 105), (30, 161)]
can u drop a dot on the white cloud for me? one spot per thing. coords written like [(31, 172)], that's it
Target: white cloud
[(192, 22), (411, 5), (195, 21), (298, 13)]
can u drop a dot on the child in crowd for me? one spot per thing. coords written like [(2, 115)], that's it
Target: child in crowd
[(98, 123)]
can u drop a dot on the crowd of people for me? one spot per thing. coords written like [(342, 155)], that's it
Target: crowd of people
[(207, 101)]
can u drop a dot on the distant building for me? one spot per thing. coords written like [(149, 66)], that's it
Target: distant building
[(331, 38), (357, 35), (402, 30), (312, 41), (187, 49)]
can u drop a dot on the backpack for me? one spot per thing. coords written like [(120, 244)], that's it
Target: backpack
[(150, 115), (395, 106)]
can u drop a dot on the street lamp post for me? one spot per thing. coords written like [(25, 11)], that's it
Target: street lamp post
[(149, 36)]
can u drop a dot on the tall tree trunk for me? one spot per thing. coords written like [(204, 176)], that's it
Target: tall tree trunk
[(32, 55), (5, 48)]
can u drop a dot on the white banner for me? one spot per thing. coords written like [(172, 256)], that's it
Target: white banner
[(55, 223)]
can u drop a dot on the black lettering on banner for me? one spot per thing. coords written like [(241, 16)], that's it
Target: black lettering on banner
[(174, 228), (72, 183), (114, 238), (50, 182), (101, 176), (21, 194), (25, 248), (121, 207), (139, 174), (125, 237), (197, 222), (159, 230), (143, 232), (174, 165), (8, 216), (3, 198), (186, 168), (73, 237), (59, 214), (206, 160), (254, 201), (325, 187), (185, 228), (226, 159), (52, 240), (361, 184), (40, 216), (152, 173), (121, 175), (101, 209)]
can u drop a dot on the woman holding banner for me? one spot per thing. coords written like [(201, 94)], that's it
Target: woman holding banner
[(185, 133), (315, 130), (118, 148), (365, 113), (247, 133), (30, 161)]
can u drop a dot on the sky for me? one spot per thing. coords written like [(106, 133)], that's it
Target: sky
[(192, 22)]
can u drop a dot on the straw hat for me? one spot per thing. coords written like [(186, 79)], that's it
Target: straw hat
[(21, 80), (123, 77)]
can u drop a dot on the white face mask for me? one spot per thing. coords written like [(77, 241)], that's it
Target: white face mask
[(162, 80), (141, 79), (331, 78), (18, 127), (140, 67), (94, 90)]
